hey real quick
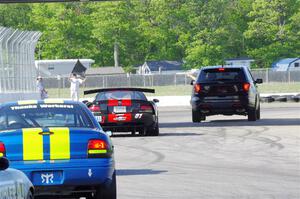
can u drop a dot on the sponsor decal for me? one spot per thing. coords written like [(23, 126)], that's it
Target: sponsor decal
[(126, 117), (23, 107), (69, 106), (56, 106), (90, 173), (47, 178)]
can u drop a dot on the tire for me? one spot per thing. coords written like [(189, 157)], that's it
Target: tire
[(252, 114), (197, 117), (30, 195), (258, 113), (153, 131), (109, 192)]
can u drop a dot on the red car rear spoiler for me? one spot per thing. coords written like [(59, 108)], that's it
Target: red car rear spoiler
[(145, 90)]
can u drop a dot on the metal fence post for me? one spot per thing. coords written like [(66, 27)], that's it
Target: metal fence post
[(267, 75), (152, 80)]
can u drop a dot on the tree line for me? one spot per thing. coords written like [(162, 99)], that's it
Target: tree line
[(196, 32)]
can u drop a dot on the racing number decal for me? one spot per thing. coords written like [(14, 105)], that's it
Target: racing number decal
[(32, 144), (59, 143), (138, 115)]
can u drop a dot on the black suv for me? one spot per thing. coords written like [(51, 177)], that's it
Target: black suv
[(225, 90)]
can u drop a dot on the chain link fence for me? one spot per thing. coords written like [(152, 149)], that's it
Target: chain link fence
[(133, 80)]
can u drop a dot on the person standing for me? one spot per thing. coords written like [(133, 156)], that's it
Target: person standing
[(74, 87), (41, 88)]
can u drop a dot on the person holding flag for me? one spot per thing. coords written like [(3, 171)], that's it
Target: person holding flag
[(75, 82)]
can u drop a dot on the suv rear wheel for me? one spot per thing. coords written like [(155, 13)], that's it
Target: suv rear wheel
[(254, 113), (258, 113), (197, 117)]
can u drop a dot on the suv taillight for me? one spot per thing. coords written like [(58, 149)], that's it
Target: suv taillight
[(98, 149), (246, 87), (197, 88), (95, 108), (146, 108), (2, 150)]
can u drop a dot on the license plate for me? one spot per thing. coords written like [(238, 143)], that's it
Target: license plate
[(120, 109), (47, 178), (222, 90), (98, 118)]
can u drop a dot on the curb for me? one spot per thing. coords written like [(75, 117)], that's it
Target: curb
[(280, 98)]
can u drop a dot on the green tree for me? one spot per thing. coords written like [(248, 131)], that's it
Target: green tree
[(15, 16), (269, 31), (67, 30)]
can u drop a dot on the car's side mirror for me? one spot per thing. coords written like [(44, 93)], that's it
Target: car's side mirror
[(155, 100), (258, 81), (109, 133), (4, 164), (192, 82)]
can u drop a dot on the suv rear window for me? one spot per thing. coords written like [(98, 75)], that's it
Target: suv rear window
[(221, 74)]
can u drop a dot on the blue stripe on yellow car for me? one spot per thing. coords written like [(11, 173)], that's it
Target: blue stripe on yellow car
[(32, 144), (59, 143)]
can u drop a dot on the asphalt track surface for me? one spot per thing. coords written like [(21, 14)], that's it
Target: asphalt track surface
[(224, 157)]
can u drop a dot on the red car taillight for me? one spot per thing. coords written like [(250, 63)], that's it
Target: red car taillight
[(98, 148), (2, 150), (95, 108), (197, 88), (146, 108), (246, 87)]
